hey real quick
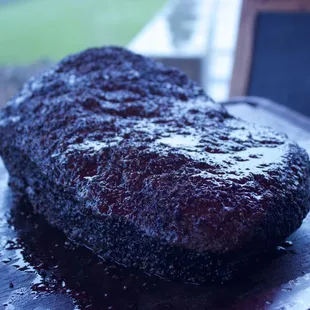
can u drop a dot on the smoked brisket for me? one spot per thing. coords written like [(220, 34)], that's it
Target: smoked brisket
[(133, 160)]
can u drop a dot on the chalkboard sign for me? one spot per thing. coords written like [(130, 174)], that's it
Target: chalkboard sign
[(273, 53), (281, 60)]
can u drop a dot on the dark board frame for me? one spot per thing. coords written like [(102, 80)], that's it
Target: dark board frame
[(244, 50)]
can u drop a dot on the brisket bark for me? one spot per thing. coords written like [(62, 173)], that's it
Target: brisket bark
[(133, 160)]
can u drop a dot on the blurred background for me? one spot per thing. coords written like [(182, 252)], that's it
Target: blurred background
[(230, 47), (38, 29), (189, 34)]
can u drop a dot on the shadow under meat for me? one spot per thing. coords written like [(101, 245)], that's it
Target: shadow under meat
[(74, 270)]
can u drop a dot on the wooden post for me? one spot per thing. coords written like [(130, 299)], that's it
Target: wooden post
[(244, 50)]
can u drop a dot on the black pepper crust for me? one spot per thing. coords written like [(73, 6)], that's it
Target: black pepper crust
[(133, 160)]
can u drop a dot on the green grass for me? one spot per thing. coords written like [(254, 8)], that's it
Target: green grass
[(34, 29)]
